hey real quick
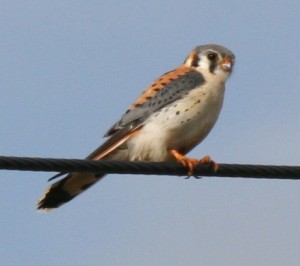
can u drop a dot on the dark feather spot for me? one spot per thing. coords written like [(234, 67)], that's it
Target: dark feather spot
[(178, 112)]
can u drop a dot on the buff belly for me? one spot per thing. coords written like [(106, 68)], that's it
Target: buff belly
[(180, 126)]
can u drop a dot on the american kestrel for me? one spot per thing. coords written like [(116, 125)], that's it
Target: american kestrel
[(170, 117)]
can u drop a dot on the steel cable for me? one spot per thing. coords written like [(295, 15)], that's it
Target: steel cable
[(147, 168)]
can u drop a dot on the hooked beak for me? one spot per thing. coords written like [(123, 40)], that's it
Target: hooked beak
[(226, 64)]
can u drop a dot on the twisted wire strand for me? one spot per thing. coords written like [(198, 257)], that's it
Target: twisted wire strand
[(147, 168)]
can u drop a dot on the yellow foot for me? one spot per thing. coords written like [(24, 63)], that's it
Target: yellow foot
[(191, 163), (207, 159)]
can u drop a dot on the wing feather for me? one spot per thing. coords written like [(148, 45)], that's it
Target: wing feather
[(168, 88)]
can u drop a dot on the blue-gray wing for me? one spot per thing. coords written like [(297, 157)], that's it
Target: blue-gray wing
[(168, 88)]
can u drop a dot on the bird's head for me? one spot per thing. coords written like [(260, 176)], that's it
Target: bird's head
[(212, 58)]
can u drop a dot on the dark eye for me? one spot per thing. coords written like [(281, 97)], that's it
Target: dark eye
[(212, 56)]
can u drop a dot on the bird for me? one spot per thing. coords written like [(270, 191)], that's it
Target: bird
[(170, 117)]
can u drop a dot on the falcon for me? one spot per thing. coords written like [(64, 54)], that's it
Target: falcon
[(171, 116)]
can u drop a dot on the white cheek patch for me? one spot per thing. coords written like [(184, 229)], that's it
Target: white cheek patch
[(223, 75), (204, 63)]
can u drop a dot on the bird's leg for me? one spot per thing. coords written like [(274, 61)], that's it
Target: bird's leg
[(191, 163), (187, 162)]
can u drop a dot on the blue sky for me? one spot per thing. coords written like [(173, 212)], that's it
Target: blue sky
[(69, 69)]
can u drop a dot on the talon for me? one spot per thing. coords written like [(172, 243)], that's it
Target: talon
[(191, 163), (187, 162), (195, 176), (207, 159)]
